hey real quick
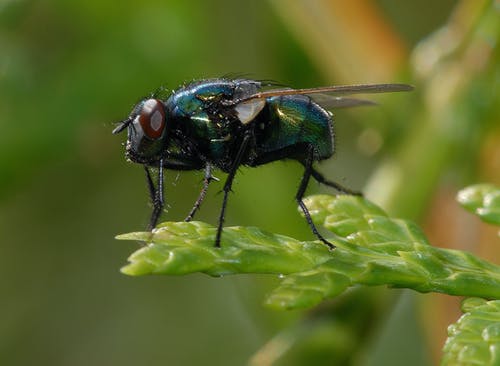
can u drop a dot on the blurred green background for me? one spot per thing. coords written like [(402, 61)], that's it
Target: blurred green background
[(70, 69)]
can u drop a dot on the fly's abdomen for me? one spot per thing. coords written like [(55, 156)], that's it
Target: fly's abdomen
[(296, 121)]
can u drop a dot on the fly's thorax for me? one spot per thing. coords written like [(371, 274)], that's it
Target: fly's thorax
[(147, 131), (202, 114)]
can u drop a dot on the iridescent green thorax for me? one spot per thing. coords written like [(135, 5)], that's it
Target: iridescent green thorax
[(198, 112)]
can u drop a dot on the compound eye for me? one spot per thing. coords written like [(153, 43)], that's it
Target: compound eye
[(152, 118)]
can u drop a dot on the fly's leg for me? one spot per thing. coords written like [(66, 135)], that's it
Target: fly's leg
[(228, 184), (156, 194), (319, 178), (151, 186), (300, 194), (206, 181)]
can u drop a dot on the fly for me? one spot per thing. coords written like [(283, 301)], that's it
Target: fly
[(228, 123)]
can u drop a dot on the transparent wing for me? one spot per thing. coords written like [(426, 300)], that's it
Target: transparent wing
[(331, 90), (330, 101)]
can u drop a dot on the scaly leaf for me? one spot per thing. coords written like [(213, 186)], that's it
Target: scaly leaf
[(482, 200), (475, 338), (372, 249)]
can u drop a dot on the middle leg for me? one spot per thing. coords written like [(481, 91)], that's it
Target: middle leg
[(228, 185), (206, 181)]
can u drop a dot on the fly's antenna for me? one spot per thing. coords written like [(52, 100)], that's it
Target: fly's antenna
[(122, 125)]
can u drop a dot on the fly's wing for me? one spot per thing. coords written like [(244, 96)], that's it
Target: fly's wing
[(326, 95), (330, 101)]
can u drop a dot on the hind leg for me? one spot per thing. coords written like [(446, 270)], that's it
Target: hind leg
[(320, 179), (300, 194)]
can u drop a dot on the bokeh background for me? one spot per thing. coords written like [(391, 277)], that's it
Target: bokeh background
[(70, 69)]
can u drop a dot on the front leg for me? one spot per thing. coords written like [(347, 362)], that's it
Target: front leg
[(156, 195)]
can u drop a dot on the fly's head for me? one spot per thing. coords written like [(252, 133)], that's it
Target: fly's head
[(147, 132)]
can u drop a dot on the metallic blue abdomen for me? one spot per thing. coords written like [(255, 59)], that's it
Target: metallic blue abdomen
[(297, 120)]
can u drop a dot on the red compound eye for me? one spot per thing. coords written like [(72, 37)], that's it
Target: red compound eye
[(152, 118)]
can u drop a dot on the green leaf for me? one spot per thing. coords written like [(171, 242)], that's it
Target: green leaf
[(178, 248), (372, 249), (475, 338), (482, 200)]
